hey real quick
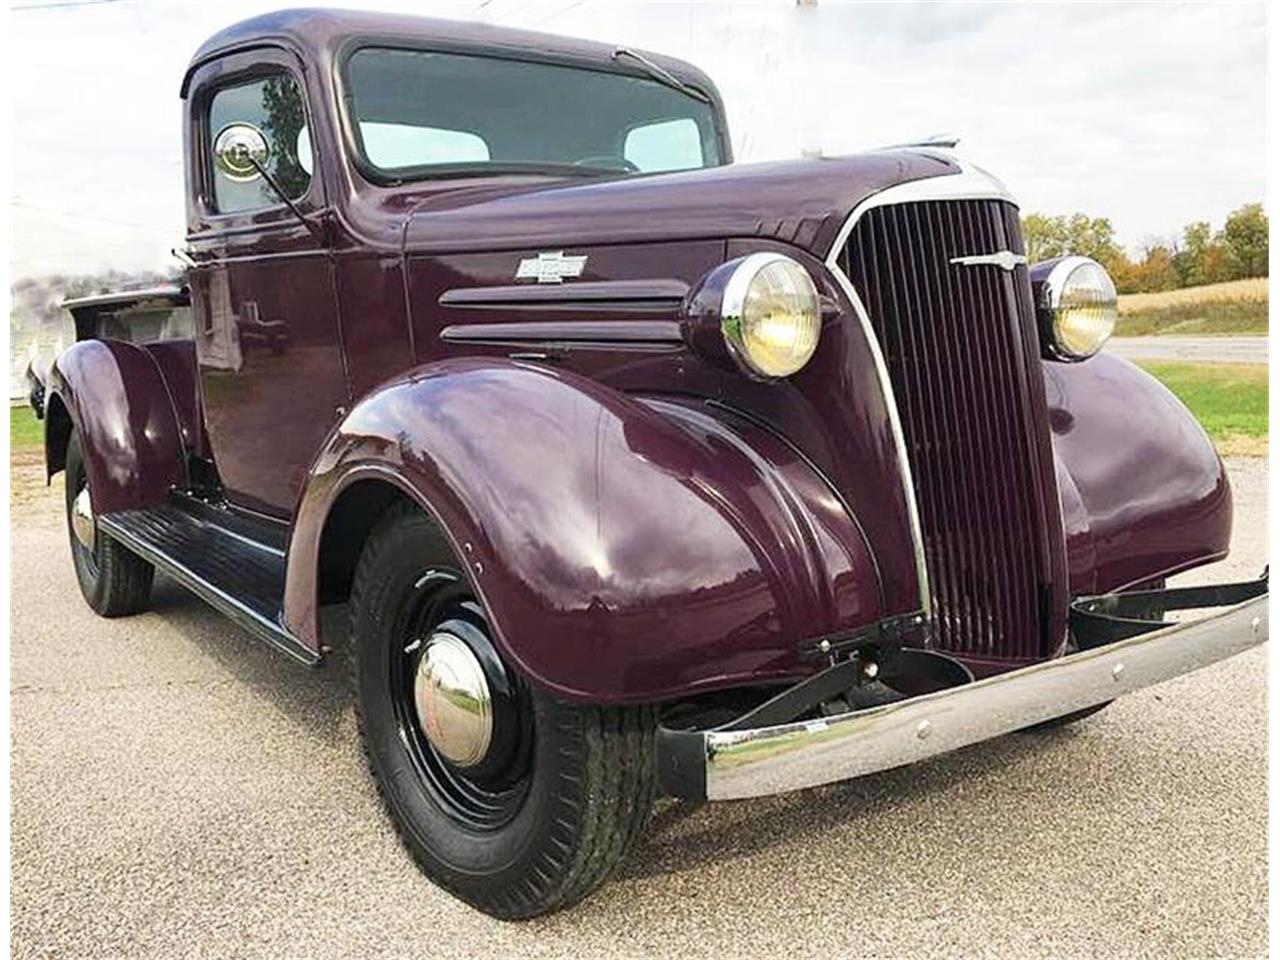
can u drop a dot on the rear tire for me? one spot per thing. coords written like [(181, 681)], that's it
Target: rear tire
[(530, 828), (115, 581)]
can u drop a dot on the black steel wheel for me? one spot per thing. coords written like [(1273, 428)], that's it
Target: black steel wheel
[(484, 792), (514, 801), (115, 581)]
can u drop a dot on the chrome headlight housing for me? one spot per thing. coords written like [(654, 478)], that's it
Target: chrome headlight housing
[(770, 315), (1077, 304)]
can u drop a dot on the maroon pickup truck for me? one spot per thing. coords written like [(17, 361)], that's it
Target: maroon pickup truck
[(642, 472)]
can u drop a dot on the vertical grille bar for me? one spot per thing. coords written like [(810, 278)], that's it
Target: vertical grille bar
[(960, 346), (999, 397)]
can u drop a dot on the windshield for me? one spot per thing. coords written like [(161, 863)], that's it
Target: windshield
[(419, 113)]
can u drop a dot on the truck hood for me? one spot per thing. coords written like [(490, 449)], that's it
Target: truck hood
[(801, 202)]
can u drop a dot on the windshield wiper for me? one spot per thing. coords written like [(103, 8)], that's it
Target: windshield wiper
[(661, 74)]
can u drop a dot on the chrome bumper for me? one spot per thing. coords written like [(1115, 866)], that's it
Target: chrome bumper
[(729, 764)]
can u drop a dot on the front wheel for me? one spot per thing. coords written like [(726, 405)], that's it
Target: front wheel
[(115, 581), (514, 801)]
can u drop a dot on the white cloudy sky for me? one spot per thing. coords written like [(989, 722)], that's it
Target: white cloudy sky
[(1150, 114)]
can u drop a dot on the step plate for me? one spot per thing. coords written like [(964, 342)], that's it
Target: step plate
[(240, 577)]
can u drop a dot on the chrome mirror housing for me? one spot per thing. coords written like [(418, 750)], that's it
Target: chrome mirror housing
[(239, 150)]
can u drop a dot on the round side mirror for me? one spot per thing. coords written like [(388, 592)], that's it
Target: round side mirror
[(235, 150)]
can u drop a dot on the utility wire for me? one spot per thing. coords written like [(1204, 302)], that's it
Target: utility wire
[(76, 215), (60, 3), (559, 13)]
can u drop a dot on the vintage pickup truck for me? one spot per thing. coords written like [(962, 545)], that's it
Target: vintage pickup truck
[(641, 472)]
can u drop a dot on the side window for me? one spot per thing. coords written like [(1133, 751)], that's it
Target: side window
[(665, 145), (272, 106)]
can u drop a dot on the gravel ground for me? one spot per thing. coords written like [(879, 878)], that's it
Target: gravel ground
[(178, 790)]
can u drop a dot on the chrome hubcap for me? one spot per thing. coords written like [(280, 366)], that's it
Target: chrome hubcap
[(82, 522), (453, 702)]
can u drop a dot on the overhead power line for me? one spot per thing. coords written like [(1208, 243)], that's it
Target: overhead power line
[(81, 215), (61, 3)]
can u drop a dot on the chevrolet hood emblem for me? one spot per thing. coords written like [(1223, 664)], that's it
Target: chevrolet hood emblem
[(1004, 259)]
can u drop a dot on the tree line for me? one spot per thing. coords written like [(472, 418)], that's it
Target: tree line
[(1199, 255)]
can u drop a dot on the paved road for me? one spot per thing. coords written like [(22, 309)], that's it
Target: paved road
[(180, 791), (1230, 349)]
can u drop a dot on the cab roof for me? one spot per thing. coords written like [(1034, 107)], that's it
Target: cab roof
[(319, 35)]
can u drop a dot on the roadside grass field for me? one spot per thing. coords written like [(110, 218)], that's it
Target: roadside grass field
[(1229, 400), (1239, 306), (27, 486), (25, 431)]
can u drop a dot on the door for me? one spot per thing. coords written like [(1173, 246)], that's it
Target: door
[(263, 289)]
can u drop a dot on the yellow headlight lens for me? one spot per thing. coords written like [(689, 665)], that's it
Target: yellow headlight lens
[(771, 318), (1084, 309)]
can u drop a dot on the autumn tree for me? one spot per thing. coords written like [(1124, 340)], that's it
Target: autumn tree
[(1049, 236), (1154, 272), (1239, 250), (1244, 236), (1190, 260)]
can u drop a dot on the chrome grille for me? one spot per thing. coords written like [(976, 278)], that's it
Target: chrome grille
[(961, 350)]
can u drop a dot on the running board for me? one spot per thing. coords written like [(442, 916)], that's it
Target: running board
[(239, 576)]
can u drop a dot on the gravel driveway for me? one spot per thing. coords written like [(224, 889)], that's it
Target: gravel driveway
[(179, 790)]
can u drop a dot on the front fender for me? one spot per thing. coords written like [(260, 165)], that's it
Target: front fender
[(626, 550), (116, 398), (1143, 491)]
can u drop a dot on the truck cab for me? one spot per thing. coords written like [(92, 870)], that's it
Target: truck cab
[(640, 470)]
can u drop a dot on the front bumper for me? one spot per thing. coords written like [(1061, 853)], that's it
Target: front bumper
[(728, 764)]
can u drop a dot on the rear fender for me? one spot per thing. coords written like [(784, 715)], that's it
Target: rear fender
[(1144, 494), (116, 398), (626, 550)]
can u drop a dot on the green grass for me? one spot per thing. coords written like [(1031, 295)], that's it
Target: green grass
[(25, 431), (1229, 400), (1221, 317)]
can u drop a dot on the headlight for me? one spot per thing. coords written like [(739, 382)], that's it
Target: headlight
[(1077, 303), (769, 315)]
